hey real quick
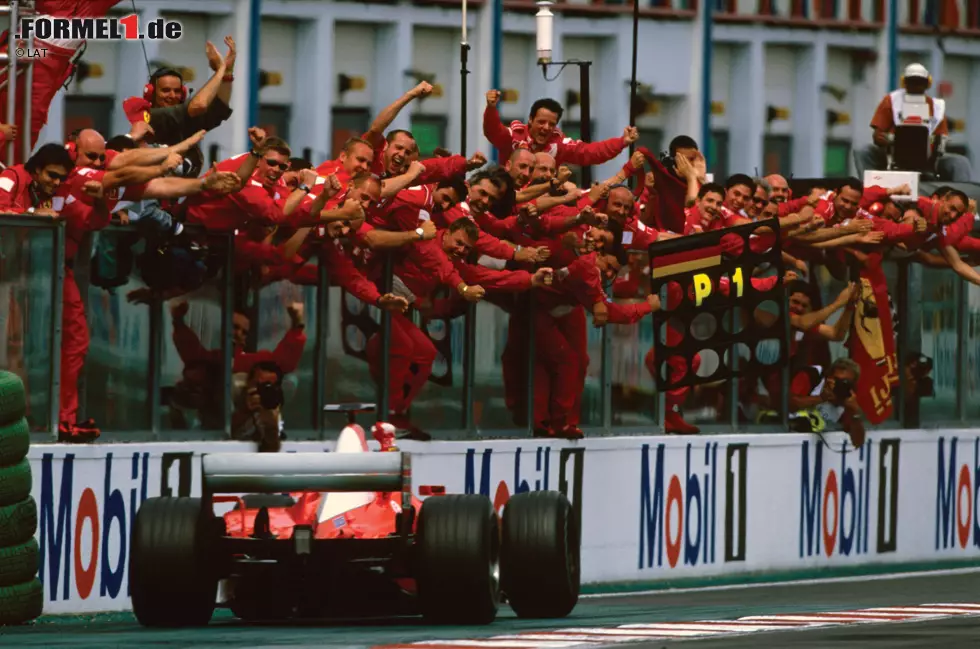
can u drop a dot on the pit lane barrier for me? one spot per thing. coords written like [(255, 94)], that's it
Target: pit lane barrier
[(656, 510)]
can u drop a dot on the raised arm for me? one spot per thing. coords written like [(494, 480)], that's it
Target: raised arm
[(202, 100), (388, 115), (154, 155)]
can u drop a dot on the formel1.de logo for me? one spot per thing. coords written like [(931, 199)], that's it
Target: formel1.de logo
[(127, 28)]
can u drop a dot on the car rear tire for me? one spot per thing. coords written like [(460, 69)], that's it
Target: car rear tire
[(540, 559), (458, 551), (173, 574)]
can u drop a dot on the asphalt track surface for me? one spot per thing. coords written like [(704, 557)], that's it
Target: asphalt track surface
[(901, 596)]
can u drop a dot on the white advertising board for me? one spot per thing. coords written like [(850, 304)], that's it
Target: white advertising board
[(653, 508)]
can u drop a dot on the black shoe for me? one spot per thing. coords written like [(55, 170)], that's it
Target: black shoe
[(416, 434)]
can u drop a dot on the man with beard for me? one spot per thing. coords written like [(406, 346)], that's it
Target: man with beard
[(779, 190)]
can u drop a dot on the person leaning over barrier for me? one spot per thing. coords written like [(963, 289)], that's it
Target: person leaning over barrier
[(820, 399)]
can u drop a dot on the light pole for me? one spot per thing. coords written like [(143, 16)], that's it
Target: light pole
[(545, 38)]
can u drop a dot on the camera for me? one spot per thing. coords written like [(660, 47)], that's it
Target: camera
[(270, 394), (843, 388)]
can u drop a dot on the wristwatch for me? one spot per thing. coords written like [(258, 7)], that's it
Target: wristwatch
[(421, 233), (255, 153), (304, 187)]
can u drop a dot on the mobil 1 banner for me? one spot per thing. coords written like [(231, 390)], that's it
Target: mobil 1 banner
[(764, 504)]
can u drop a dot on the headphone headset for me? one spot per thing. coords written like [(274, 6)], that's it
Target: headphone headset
[(71, 147), (928, 81), (150, 88)]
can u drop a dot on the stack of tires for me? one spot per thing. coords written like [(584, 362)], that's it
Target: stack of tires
[(21, 594)]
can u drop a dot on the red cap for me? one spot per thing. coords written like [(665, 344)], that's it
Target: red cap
[(137, 109)]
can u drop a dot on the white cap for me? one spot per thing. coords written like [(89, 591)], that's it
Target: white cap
[(916, 70)]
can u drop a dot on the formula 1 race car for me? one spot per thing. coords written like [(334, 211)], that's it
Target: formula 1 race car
[(340, 534)]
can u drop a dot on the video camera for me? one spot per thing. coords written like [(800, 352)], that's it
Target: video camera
[(843, 389), (270, 394)]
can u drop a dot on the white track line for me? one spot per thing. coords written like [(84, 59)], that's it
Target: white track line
[(604, 636), (948, 572)]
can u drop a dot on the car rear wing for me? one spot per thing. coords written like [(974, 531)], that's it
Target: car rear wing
[(282, 472)]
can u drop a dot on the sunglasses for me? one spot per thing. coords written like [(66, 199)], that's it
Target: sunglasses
[(760, 201), (61, 177), (274, 163), (95, 156)]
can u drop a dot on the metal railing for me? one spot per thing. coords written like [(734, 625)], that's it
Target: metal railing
[(933, 310), (16, 9)]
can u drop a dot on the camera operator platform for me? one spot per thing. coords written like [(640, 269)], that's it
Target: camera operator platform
[(910, 132)]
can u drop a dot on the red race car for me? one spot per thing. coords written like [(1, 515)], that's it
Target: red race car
[(341, 534)]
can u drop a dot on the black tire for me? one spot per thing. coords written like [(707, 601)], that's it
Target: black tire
[(13, 400), (15, 440), (15, 483), (540, 558), (21, 603), (256, 501), (18, 522), (458, 550), (18, 564), (173, 567)]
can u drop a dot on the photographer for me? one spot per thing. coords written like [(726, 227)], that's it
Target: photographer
[(819, 400), (258, 410)]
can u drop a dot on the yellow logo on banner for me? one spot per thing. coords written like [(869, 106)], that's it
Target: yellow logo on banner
[(146, 116)]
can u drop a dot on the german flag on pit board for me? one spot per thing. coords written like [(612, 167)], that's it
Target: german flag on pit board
[(686, 261)]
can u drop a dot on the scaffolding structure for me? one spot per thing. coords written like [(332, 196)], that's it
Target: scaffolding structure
[(20, 69)]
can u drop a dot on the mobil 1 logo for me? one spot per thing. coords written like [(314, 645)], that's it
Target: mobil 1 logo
[(679, 496)]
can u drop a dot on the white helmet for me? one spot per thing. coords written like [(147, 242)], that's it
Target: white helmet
[(916, 70)]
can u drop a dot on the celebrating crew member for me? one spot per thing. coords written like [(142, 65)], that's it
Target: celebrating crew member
[(541, 133), (164, 105)]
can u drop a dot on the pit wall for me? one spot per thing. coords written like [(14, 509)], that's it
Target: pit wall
[(654, 509)]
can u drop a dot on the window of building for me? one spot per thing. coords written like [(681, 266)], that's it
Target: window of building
[(348, 123), (777, 155), (837, 159), (717, 158), (574, 131), (653, 139), (88, 111), (429, 132), (274, 120)]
